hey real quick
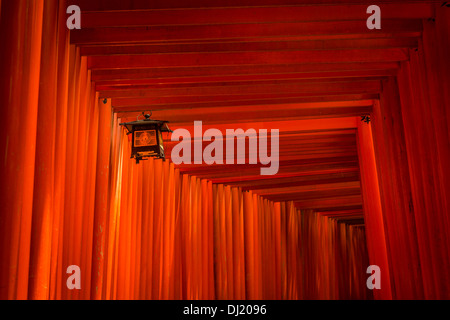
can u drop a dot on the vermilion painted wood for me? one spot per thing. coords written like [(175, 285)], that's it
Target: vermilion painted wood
[(233, 46), (222, 72), (210, 16), (416, 81), (249, 246), (79, 196), (331, 186), (291, 30), (133, 107), (56, 279), (144, 5), (396, 194), (311, 195), (90, 185), (254, 170), (296, 181), (328, 203), (235, 83), (311, 126), (19, 95), (247, 179), (101, 199), (231, 104), (421, 202), (246, 58), (69, 172), (123, 84), (44, 176), (301, 89), (373, 215), (435, 67)]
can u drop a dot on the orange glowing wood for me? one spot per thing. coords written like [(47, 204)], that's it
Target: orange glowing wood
[(157, 232), (235, 204), (336, 202), (257, 234), (129, 107), (41, 232), (204, 267), (267, 115), (178, 274), (166, 213), (19, 95), (88, 211), (60, 162), (185, 215), (79, 169), (373, 217), (212, 294), (119, 291), (296, 180), (301, 89), (228, 226), (249, 247)]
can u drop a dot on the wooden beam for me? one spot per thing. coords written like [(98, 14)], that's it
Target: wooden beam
[(247, 58), (331, 203), (280, 190), (222, 171), (285, 157), (300, 89), (285, 126), (290, 148), (112, 5), (305, 180), (255, 82), (129, 107), (210, 16), (241, 70), (375, 74), (244, 32), (314, 195), (293, 175), (230, 46), (177, 116)]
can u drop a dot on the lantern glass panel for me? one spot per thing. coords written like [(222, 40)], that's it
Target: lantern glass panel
[(145, 138)]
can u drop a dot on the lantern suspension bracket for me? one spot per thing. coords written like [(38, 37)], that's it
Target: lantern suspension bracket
[(146, 137), (145, 115)]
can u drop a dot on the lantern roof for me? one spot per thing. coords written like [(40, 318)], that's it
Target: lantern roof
[(162, 124)]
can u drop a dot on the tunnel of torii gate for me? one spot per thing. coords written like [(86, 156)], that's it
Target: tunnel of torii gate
[(350, 106)]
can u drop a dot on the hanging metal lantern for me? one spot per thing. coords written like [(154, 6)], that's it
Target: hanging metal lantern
[(146, 138)]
